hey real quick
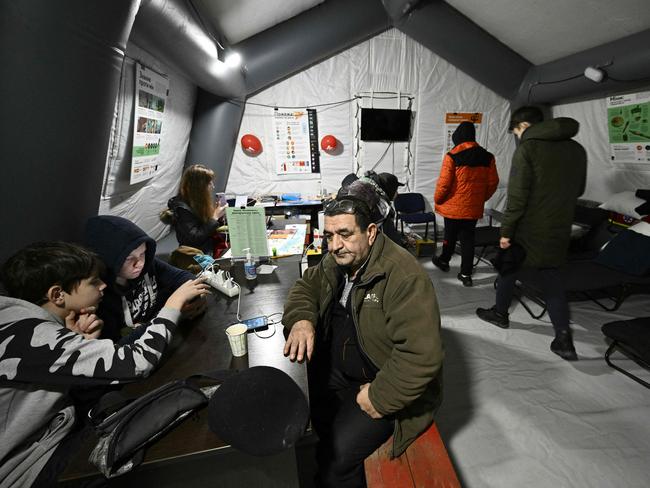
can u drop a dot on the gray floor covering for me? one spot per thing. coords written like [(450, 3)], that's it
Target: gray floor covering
[(515, 414)]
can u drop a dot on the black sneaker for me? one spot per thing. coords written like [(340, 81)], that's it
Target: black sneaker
[(562, 345), (440, 264), (465, 279), (491, 315)]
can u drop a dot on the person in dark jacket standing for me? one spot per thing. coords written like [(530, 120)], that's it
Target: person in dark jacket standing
[(468, 179), (548, 174), (368, 321), (138, 283), (196, 214)]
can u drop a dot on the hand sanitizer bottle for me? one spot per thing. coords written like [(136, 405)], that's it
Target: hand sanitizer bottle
[(249, 266)]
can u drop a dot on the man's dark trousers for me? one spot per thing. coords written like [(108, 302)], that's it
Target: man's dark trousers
[(347, 435)]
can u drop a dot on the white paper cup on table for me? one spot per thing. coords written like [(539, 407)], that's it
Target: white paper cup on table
[(237, 339)]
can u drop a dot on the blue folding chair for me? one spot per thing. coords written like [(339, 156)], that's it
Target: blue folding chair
[(411, 208)]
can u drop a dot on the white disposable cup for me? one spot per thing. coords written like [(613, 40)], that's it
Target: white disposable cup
[(237, 339)]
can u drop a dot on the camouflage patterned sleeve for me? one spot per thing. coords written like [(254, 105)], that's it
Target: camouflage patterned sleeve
[(45, 352)]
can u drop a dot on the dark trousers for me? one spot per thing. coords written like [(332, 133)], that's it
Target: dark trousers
[(347, 435), (551, 282), (463, 230)]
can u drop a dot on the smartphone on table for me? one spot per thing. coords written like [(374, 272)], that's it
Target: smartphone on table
[(256, 322)]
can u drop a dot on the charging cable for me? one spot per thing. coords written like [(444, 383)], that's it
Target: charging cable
[(304, 259), (269, 323), (238, 300)]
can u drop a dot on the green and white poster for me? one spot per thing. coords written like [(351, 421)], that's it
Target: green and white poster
[(247, 230), (628, 127), (151, 91)]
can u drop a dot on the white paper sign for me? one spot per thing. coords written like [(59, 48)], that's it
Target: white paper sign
[(292, 148), (151, 91), (453, 120), (628, 127)]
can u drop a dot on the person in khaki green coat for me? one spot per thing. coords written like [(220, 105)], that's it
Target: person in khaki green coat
[(368, 321), (549, 172)]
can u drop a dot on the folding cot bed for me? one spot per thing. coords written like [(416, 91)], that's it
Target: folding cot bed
[(632, 338), (605, 276), (586, 280)]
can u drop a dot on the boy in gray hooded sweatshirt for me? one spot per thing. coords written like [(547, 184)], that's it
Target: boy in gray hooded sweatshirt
[(49, 345)]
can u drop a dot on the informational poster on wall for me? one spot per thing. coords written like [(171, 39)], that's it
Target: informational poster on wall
[(296, 142), (453, 120), (151, 92), (628, 126)]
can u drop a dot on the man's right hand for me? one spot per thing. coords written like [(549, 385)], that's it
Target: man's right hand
[(300, 342)]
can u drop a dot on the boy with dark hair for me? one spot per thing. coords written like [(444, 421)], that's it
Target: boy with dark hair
[(47, 347)]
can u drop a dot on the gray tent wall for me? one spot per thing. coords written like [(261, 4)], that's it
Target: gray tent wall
[(214, 135), (624, 59), (73, 55), (451, 35), (322, 31), (171, 32), (310, 37), (396, 9), (334, 26), (60, 75)]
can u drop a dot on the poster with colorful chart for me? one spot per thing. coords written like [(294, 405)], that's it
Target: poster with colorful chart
[(296, 141)]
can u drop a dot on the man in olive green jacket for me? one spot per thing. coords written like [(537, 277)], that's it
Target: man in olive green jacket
[(367, 318), (548, 174)]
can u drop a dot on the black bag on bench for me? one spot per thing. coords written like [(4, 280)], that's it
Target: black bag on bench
[(259, 410), (126, 426)]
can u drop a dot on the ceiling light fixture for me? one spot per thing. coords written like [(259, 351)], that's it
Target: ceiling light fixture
[(594, 74), (233, 60)]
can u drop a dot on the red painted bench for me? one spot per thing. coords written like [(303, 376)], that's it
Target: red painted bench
[(425, 464)]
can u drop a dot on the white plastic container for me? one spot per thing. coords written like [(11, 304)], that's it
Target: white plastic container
[(250, 270)]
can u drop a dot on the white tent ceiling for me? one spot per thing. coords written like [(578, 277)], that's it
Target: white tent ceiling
[(539, 30)]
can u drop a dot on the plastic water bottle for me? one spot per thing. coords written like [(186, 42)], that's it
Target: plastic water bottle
[(250, 270)]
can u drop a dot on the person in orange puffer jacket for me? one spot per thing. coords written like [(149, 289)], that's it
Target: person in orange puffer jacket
[(468, 179)]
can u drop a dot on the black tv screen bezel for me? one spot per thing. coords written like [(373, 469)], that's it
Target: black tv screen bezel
[(380, 125)]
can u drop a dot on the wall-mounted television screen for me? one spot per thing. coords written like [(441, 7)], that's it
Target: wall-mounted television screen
[(382, 124)]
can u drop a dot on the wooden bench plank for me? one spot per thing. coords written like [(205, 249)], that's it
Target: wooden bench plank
[(394, 472), (373, 471), (425, 464), (429, 462)]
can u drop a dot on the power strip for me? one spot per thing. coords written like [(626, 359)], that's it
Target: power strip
[(221, 281)]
